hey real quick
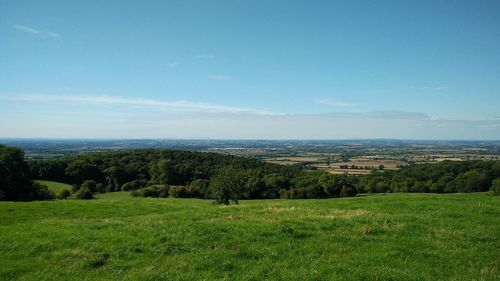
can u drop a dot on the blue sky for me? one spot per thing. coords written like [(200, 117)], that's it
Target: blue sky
[(250, 69)]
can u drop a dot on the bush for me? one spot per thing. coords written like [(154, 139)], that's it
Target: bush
[(42, 192), (100, 188), (184, 192), (154, 191), (495, 186), (200, 186), (90, 184), (134, 185), (348, 191), (63, 194), (83, 193)]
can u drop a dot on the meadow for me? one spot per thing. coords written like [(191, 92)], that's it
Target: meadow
[(54, 186), (368, 237)]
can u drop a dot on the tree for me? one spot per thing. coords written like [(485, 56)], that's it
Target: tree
[(470, 181), (15, 177), (162, 171), (200, 186), (329, 184), (83, 193), (274, 183), (348, 190), (495, 186), (90, 184), (225, 186), (80, 170), (114, 177)]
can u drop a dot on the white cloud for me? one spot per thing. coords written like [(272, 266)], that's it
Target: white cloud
[(335, 103), (220, 77), (27, 29), (72, 123), (205, 56), (429, 88), (53, 34), (173, 64), (180, 105)]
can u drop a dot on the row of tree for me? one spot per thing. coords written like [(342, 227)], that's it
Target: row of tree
[(160, 173), (444, 177), (191, 174)]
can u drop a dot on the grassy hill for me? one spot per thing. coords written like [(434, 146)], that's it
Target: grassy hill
[(54, 186), (375, 237)]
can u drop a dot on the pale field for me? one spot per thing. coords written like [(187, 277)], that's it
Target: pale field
[(365, 164)]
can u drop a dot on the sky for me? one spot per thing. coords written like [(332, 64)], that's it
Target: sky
[(255, 69)]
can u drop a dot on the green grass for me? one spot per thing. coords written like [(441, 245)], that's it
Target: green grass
[(54, 186), (376, 237)]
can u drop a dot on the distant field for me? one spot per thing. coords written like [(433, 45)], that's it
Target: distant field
[(362, 165), (54, 186), (375, 237)]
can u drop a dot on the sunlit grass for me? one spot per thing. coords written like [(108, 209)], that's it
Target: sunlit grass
[(376, 237), (54, 186)]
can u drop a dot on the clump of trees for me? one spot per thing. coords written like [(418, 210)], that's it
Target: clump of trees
[(444, 177), (16, 183), (170, 173)]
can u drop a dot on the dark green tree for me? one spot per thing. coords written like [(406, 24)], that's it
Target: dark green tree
[(226, 186), (15, 177)]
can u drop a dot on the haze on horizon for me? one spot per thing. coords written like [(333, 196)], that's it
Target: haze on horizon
[(250, 69)]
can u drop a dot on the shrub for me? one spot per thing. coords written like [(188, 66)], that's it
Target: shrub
[(164, 192), (83, 193), (133, 185), (42, 192), (348, 191), (100, 188), (184, 192), (90, 184), (200, 186), (63, 194), (155, 191)]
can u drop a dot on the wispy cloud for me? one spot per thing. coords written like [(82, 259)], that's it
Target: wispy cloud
[(28, 29), (173, 64), (220, 77), (429, 88), (180, 105), (205, 56), (335, 103)]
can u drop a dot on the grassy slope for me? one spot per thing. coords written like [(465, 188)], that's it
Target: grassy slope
[(54, 186), (379, 237)]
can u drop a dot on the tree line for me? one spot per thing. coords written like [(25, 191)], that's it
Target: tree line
[(443, 177), (174, 173), (224, 178)]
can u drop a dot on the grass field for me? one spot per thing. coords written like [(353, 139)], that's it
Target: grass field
[(54, 186), (375, 237)]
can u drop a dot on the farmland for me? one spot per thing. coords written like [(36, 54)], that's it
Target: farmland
[(374, 237), (337, 157)]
